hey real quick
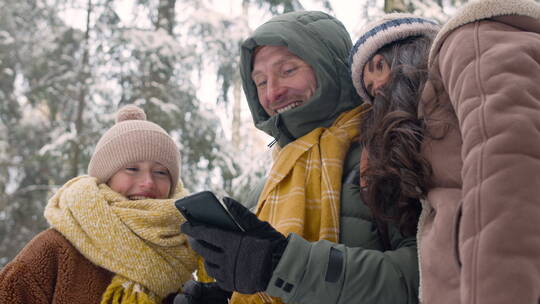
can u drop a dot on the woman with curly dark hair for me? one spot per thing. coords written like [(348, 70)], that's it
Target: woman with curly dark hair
[(389, 70)]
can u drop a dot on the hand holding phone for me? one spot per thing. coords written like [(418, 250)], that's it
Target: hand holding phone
[(205, 208), (239, 261)]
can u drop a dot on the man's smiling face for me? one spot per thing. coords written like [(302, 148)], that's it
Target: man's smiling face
[(283, 80)]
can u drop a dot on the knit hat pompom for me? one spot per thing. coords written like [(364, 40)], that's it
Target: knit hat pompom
[(375, 35), (133, 139), (130, 112)]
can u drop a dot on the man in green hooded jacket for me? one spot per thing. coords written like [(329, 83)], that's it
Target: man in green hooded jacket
[(297, 82)]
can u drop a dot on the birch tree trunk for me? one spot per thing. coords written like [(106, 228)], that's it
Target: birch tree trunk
[(79, 141), (166, 15), (236, 122)]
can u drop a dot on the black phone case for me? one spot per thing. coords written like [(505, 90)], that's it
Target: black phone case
[(205, 208)]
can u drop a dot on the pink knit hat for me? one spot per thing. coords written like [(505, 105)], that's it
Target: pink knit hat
[(133, 139)]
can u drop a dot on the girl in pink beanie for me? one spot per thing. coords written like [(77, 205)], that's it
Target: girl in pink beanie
[(115, 233)]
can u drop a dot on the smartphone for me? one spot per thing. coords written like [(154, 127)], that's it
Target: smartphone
[(205, 208)]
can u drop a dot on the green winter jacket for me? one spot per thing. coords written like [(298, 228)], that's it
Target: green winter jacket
[(357, 270)]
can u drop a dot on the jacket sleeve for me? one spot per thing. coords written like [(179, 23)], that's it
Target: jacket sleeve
[(21, 281), (325, 272), (491, 72)]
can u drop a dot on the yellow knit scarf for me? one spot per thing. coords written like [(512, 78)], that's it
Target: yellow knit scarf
[(302, 192), (138, 240)]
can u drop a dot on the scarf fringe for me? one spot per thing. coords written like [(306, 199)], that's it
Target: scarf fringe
[(121, 291), (258, 298)]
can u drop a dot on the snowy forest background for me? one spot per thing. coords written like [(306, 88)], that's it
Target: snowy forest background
[(67, 65)]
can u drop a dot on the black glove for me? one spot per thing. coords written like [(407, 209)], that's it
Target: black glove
[(202, 293), (239, 261)]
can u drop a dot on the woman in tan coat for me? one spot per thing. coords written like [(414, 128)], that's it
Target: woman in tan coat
[(479, 237)]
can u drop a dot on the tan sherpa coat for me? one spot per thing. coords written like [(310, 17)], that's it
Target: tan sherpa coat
[(50, 270), (479, 234)]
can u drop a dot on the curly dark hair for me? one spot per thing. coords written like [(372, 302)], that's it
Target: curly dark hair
[(397, 175)]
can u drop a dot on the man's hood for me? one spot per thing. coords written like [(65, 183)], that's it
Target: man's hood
[(321, 41)]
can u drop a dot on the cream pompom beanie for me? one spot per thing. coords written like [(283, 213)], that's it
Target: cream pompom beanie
[(133, 139)]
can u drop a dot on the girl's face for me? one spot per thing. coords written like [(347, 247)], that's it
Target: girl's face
[(142, 180), (376, 74)]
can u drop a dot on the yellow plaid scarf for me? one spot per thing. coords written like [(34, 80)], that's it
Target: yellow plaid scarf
[(302, 192), (138, 240)]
